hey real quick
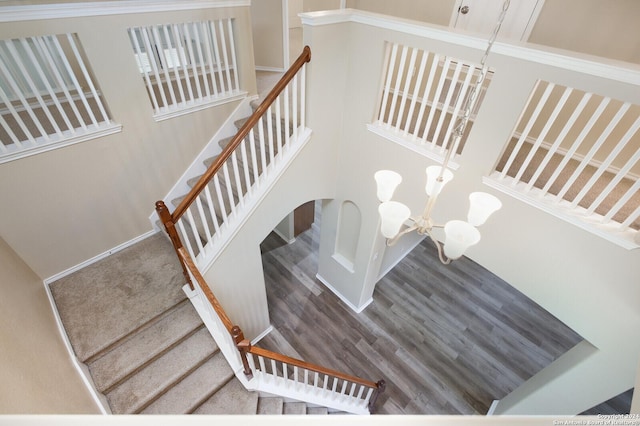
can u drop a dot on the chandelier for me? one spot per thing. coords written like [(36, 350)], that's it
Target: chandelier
[(459, 234)]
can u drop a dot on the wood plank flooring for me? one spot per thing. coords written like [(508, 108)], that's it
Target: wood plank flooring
[(446, 339)]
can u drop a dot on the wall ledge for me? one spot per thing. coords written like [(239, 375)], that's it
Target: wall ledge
[(31, 12), (587, 64)]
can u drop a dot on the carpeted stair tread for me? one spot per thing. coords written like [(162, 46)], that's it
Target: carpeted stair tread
[(295, 408), (104, 302), (270, 405), (316, 411), (233, 398), (194, 389), (142, 347), (152, 381)]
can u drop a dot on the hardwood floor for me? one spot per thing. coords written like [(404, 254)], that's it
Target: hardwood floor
[(446, 339)]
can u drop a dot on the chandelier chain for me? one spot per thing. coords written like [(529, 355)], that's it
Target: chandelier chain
[(470, 101)]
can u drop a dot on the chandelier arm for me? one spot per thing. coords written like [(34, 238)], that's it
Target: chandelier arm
[(392, 241), (443, 258), (426, 214)]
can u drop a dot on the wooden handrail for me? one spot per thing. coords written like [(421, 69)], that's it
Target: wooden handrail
[(313, 367), (190, 269), (215, 304), (304, 57), (245, 347)]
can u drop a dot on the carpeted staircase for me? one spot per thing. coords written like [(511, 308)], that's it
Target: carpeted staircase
[(143, 342), (145, 346)]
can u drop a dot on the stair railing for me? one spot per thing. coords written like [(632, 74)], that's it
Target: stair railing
[(211, 206), (239, 171), (279, 374)]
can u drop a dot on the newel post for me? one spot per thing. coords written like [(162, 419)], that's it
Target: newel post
[(169, 226), (244, 346), (381, 386)]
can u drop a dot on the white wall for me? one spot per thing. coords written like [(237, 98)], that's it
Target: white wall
[(589, 283), (37, 374), (311, 176), (433, 11), (295, 7), (268, 26), (607, 29), (71, 204)]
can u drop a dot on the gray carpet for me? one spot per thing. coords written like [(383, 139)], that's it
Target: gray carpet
[(144, 344), (135, 286)]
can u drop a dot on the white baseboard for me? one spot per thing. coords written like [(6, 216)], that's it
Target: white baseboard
[(82, 369), (285, 239), (399, 259), (353, 307), (101, 256), (493, 407), (262, 335), (270, 69)]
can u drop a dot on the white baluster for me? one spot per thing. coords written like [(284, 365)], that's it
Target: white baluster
[(303, 97), (263, 145), (221, 206), (387, 88), (294, 102), (446, 104), (589, 156), (208, 34), (157, 41), (149, 47), (606, 164), (212, 210), (227, 180), (203, 218), (254, 157), (225, 55), (246, 166), (263, 368), (416, 91), (527, 128), (176, 67), (197, 30), (407, 87), (185, 238), (561, 136), (435, 101), (194, 230), (234, 66), (435, 63), (576, 144), (543, 134), (145, 74), (238, 180), (396, 90), (179, 38)]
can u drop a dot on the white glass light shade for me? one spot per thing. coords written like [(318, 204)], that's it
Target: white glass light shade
[(393, 215), (434, 187), (459, 236), (481, 206), (387, 181)]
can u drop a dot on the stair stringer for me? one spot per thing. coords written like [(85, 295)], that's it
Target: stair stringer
[(211, 149)]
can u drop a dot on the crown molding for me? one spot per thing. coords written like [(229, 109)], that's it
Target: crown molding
[(601, 67), (29, 12)]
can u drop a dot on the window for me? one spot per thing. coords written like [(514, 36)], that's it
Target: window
[(186, 66), (422, 97), (577, 154), (48, 97)]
